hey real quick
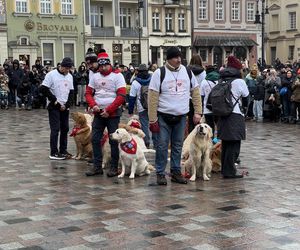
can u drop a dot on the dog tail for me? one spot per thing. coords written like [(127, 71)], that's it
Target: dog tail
[(151, 168), (148, 150)]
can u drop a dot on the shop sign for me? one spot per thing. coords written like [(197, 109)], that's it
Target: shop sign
[(170, 41), (30, 26)]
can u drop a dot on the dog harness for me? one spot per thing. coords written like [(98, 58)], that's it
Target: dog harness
[(129, 147), (74, 131)]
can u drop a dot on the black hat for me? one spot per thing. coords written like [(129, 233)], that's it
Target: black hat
[(91, 56), (67, 62), (210, 68), (173, 52), (142, 67)]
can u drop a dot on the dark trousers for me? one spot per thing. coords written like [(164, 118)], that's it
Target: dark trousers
[(295, 107), (230, 153), (212, 121), (99, 124), (12, 96), (191, 117), (59, 122)]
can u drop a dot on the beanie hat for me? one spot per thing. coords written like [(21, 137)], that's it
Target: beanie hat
[(67, 62), (173, 52), (233, 62), (103, 58), (210, 68), (91, 57), (143, 67)]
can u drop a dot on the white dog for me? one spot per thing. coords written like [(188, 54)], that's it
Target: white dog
[(196, 150), (131, 155)]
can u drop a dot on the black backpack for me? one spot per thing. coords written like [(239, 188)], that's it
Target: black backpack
[(144, 96), (220, 99), (163, 74)]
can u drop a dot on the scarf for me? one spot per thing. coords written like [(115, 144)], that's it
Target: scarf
[(171, 68), (74, 131), (106, 73)]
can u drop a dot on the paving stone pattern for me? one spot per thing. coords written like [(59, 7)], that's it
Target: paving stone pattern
[(52, 205)]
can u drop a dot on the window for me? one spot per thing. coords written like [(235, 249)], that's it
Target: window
[(69, 50), (291, 52), (66, 7), (219, 10), (48, 54), (23, 41), (169, 20), (129, 18), (203, 54), (45, 6), (155, 21), (181, 24), (125, 18), (21, 6), (292, 20), (250, 11), (97, 16), (203, 9), (235, 11), (275, 23), (117, 53)]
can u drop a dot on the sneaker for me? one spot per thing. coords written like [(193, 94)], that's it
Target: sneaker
[(57, 157), (67, 155), (112, 172), (161, 179), (94, 171), (178, 177)]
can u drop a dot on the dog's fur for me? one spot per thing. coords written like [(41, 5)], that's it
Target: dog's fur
[(136, 162), (215, 157), (196, 151), (82, 137)]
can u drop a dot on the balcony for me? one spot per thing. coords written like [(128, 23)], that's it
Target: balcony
[(103, 32), (129, 32), (172, 2)]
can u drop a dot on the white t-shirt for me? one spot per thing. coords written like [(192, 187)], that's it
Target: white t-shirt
[(175, 90), (239, 89), (106, 87), (135, 90), (205, 88), (59, 85), (201, 77)]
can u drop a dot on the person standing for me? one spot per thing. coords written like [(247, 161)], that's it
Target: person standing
[(141, 84), (58, 88), (168, 101), (231, 129), (105, 95), (15, 75)]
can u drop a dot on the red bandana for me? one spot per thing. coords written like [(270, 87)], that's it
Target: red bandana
[(129, 147), (135, 124), (74, 131)]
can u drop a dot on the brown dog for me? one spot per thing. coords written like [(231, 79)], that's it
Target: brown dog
[(82, 136), (215, 157)]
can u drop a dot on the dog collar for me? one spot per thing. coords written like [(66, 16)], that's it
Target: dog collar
[(75, 131), (129, 147)]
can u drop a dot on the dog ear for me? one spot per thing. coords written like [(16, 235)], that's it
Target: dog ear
[(210, 134)]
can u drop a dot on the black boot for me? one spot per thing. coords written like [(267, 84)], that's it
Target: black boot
[(112, 172), (176, 176), (161, 179), (94, 171)]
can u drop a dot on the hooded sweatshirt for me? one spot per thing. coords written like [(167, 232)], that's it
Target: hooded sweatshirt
[(142, 79), (199, 73), (15, 75)]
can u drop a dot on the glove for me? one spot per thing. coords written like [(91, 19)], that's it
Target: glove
[(154, 127)]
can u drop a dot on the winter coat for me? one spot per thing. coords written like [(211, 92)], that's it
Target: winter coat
[(252, 84), (15, 75), (296, 91), (260, 89), (199, 72)]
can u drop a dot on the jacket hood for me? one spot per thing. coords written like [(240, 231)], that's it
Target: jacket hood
[(196, 69), (143, 81), (230, 72), (213, 76)]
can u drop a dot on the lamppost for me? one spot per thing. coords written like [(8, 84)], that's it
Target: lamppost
[(140, 6), (264, 11)]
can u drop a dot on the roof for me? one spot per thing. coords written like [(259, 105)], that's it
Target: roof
[(224, 41)]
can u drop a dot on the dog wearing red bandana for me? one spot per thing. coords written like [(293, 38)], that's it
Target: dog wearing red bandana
[(132, 157)]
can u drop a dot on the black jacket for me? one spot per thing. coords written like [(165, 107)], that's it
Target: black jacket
[(15, 76)]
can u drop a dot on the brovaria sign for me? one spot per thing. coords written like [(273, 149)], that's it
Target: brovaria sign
[(30, 25)]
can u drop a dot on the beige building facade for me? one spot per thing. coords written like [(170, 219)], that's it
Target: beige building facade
[(3, 32), (223, 27), (283, 31)]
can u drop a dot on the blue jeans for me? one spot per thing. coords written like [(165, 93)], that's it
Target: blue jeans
[(286, 106), (144, 119), (176, 134), (258, 109), (98, 126)]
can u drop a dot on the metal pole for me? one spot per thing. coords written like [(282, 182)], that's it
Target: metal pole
[(263, 33), (192, 26), (139, 29)]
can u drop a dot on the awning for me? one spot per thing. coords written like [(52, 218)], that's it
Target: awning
[(224, 41)]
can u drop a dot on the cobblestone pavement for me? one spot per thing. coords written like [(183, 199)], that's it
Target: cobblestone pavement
[(52, 205)]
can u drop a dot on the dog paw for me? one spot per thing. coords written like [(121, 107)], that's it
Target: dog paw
[(193, 178), (120, 176), (205, 178), (131, 176)]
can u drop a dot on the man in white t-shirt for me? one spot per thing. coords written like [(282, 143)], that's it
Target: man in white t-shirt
[(59, 89), (168, 105), (105, 95)]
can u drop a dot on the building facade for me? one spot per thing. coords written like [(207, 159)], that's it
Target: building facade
[(283, 33), (45, 29), (223, 27), (169, 25), (3, 32), (118, 26)]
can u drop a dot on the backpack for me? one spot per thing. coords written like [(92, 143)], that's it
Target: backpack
[(220, 99), (144, 96), (163, 74)]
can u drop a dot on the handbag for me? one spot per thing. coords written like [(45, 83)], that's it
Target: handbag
[(171, 119), (283, 91)]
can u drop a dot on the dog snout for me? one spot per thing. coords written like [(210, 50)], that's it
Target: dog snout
[(111, 136)]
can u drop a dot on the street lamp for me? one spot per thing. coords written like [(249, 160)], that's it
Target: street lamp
[(264, 11), (140, 6)]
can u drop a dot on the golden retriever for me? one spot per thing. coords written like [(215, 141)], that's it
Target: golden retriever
[(196, 151), (215, 157), (82, 136), (131, 155)]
